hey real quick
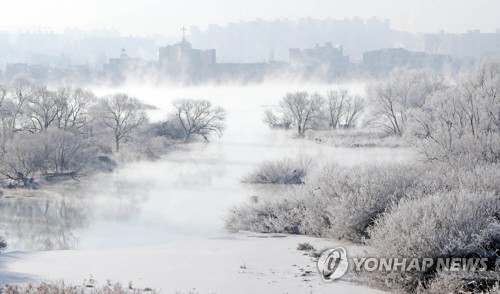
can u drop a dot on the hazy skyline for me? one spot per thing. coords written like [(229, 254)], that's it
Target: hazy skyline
[(166, 17)]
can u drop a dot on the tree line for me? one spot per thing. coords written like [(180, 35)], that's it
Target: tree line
[(66, 131), (305, 111), (445, 119)]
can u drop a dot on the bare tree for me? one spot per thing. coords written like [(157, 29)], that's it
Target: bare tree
[(388, 114), (5, 115), (274, 121), (199, 117), (335, 106), (270, 118), (75, 107), (303, 108), (122, 114), (21, 90), (354, 105), (41, 109), (395, 97), (23, 158), (64, 152)]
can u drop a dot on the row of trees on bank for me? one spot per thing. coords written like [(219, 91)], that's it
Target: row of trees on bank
[(440, 117), (306, 111), (62, 132)]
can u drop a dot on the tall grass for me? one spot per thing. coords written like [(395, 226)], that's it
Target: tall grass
[(63, 288)]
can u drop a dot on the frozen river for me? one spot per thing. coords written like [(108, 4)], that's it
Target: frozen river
[(184, 195)]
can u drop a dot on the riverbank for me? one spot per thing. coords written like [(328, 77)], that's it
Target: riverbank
[(235, 263), (356, 138)]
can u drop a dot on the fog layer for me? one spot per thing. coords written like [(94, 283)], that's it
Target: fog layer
[(188, 192)]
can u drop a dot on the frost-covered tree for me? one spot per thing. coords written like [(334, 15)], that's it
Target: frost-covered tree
[(41, 109), (23, 158), (304, 109), (404, 90), (20, 91), (64, 153), (199, 117), (336, 106), (75, 106), (462, 123), (273, 120), (122, 114), (354, 105)]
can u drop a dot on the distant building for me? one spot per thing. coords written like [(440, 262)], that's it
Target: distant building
[(250, 41), (16, 69), (385, 60), (472, 44), (118, 67), (181, 58), (244, 72), (39, 72), (319, 56), (44, 72)]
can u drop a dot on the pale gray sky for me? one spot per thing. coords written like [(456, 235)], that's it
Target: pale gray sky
[(146, 17)]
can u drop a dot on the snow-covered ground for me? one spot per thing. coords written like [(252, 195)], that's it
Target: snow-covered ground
[(239, 263)]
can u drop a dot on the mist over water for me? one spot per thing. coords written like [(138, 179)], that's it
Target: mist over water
[(186, 193)]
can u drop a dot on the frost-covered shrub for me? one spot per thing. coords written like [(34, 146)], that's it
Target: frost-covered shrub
[(443, 177), (344, 202), (169, 128), (443, 224), (446, 224), (302, 212), (283, 171), (282, 216), (358, 195), (462, 282), (337, 202)]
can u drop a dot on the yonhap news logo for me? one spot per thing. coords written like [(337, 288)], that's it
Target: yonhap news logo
[(333, 263)]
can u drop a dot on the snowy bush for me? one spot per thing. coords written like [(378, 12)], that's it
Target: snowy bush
[(466, 283), (300, 212), (337, 202), (446, 224), (284, 171), (358, 195), (282, 216), (443, 177), (343, 202), (442, 224), (170, 128)]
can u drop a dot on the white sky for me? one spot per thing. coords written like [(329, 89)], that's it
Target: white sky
[(147, 17)]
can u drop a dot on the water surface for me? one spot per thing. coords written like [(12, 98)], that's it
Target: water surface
[(185, 194)]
